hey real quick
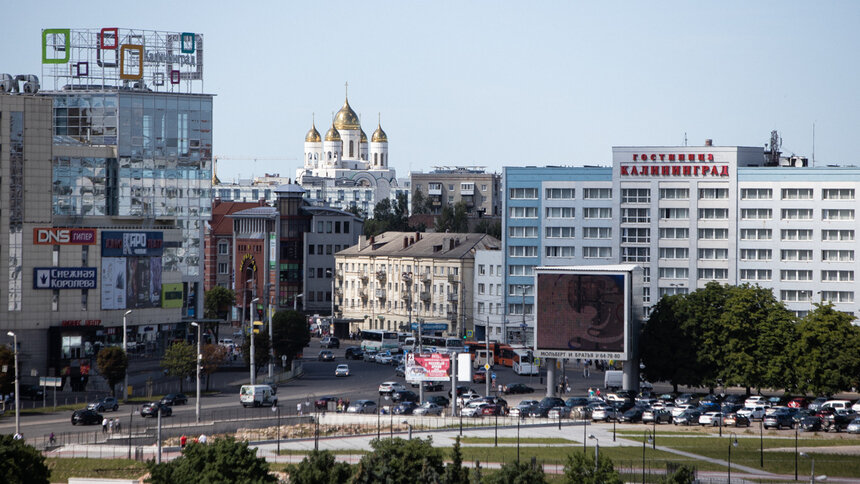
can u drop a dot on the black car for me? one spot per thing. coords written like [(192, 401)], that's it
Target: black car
[(401, 371), (515, 388), (321, 403), (688, 417), (354, 353), (632, 415), (404, 396), (330, 343), (735, 420), (151, 410), (545, 406), (33, 392), (837, 421), (439, 400), (174, 399), (405, 408), (778, 420), (810, 423), (86, 417)]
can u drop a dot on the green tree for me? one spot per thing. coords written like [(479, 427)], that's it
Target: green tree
[(682, 475), (7, 379), (213, 357), (460, 222), (319, 467), (517, 473), (112, 363), (398, 460), (667, 352), (445, 219), (262, 344), (419, 203), (220, 460), (21, 463), (826, 351), (217, 302), (580, 470), (400, 217), (353, 209), (455, 473), (290, 334), (180, 361), (489, 227), (700, 316)]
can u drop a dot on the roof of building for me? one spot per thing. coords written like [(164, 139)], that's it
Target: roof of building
[(346, 118), (255, 212), (290, 188), (219, 223), (317, 210), (440, 245)]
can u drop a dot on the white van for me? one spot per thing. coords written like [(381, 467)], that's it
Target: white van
[(837, 404), (257, 396), (613, 379)]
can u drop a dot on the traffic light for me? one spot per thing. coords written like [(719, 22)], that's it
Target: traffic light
[(256, 329), (260, 311)]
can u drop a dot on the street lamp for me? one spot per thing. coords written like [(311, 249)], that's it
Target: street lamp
[(125, 350), (17, 389), (277, 408), (253, 364), (199, 364), (596, 452), (733, 442), (295, 301), (645, 438), (408, 426)]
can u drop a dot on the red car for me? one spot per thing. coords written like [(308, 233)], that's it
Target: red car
[(492, 409), (479, 376), (799, 402)]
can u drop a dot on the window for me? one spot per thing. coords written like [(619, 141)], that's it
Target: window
[(522, 251), (837, 194), (560, 193), (756, 194), (796, 234), (596, 252), (635, 195), (713, 213), (484, 187), (795, 296), (560, 212), (223, 248), (223, 268), (597, 232), (837, 255), (837, 276), (795, 255), (674, 233), (674, 213), (755, 274), (756, 234), (482, 270), (674, 194), (451, 187), (797, 194), (311, 249), (837, 214), (523, 193), (480, 308), (481, 288), (756, 214), (837, 296), (523, 232), (671, 291), (713, 254), (560, 232), (597, 193), (597, 213), (517, 270), (320, 227), (523, 212), (635, 216), (674, 253), (756, 254), (795, 275), (560, 251), (714, 274), (714, 234), (713, 193), (636, 254), (837, 235), (635, 235), (674, 273)]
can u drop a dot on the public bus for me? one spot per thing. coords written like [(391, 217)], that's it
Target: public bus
[(480, 354), (379, 340), (523, 362), (442, 344)]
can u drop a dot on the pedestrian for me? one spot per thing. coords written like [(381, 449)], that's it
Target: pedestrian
[(202, 438), (104, 425), (52, 440), (299, 408), (182, 441), (110, 425), (116, 425)]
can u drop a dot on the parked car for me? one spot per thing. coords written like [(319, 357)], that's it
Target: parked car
[(856, 406), (810, 423), (440, 400), (429, 386), (523, 408), (679, 409), (321, 403), (353, 353), (404, 396), (473, 409), (688, 417), (798, 402), (330, 342), (735, 420), (604, 413), (390, 386), (631, 415), (714, 419), (362, 406), (174, 399), (405, 407), (687, 399), (661, 415), (479, 376), (779, 419), (755, 401), (467, 396), (545, 406), (838, 420), (756, 413), (86, 417), (854, 426), (341, 370), (326, 355), (151, 410), (428, 408), (33, 392), (559, 412), (107, 403), (515, 388), (817, 403)]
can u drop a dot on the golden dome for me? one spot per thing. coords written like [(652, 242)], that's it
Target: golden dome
[(363, 137), (332, 135), (346, 118), (379, 136), (313, 135)]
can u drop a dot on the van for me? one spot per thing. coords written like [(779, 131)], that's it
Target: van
[(257, 396), (837, 404), (613, 379)]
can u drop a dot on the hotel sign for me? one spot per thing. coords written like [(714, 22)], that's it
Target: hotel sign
[(674, 165)]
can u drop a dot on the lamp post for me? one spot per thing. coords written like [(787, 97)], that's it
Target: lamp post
[(295, 301), (199, 364), (795, 450), (125, 350), (596, 452), (645, 438), (17, 386), (277, 408), (761, 441), (812, 471), (252, 355), (408, 426), (733, 442)]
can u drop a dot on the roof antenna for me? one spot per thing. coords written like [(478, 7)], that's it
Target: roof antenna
[(813, 143), (346, 89), (685, 138)]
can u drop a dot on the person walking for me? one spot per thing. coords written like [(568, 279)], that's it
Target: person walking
[(116, 424), (110, 425), (104, 425), (182, 441)]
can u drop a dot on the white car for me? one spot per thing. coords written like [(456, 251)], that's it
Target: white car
[(467, 397), (341, 370), (679, 409), (711, 418), (383, 358), (754, 401), (856, 406), (474, 409), (390, 386), (756, 413)]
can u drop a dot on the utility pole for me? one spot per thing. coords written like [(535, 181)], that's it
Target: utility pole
[(487, 342), (271, 339), (252, 349)]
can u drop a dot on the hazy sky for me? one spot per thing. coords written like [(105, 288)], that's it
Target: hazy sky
[(500, 83)]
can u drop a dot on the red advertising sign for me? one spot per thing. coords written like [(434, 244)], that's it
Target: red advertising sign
[(56, 236), (428, 367)]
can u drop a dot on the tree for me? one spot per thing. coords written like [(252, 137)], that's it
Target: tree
[(262, 344), (701, 315), (826, 351), (455, 473), (580, 470), (489, 227), (290, 334), (217, 302), (518, 473), (668, 354), (682, 475), (399, 460), (353, 209), (453, 219), (21, 463), (213, 357), (7, 379), (112, 363), (445, 220), (419, 203), (220, 460), (319, 467), (180, 361)]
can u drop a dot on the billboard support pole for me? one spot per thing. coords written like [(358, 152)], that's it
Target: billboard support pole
[(487, 343), (550, 377), (453, 384)]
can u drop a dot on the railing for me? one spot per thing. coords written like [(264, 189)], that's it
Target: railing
[(453, 296), (380, 293), (425, 295), (381, 276), (453, 278)]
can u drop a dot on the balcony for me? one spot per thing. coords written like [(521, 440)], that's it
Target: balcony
[(426, 278), (406, 296), (380, 293), (339, 274), (434, 189), (363, 278), (362, 293), (453, 278), (338, 292), (407, 278), (425, 295), (381, 276), (452, 315), (453, 297), (467, 189)]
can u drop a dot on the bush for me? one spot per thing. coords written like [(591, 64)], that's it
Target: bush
[(319, 467), (21, 463), (222, 460)]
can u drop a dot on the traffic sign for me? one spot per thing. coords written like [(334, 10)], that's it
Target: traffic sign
[(493, 376), (469, 333), (486, 366)]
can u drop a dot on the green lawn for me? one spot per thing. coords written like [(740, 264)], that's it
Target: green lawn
[(63, 469), (513, 440)]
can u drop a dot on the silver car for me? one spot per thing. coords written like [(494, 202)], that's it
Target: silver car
[(362, 406), (428, 408)]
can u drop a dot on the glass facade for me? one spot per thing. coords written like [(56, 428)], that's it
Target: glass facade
[(16, 209)]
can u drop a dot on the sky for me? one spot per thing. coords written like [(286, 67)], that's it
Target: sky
[(500, 83)]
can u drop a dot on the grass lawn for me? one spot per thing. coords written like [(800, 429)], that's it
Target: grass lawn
[(63, 469), (513, 440)]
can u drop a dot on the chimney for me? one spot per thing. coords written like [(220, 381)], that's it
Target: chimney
[(417, 236), (709, 142), (411, 240), (451, 244), (405, 242)]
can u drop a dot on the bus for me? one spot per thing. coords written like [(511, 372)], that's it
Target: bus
[(379, 340), (523, 362), (480, 354), (442, 344)]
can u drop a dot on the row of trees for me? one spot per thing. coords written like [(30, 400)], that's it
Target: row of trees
[(725, 335)]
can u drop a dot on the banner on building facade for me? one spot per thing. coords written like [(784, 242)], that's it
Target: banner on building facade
[(114, 281), (171, 295)]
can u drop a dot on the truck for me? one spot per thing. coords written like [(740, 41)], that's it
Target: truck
[(524, 363), (613, 379), (257, 396)]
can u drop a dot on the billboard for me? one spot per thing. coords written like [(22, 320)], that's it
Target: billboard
[(583, 312), (58, 236), (171, 295), (64, 278), (428, 367), (136, 244), (113, 283), (131, 269)]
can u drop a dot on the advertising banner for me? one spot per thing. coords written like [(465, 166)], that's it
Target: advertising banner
[(114, 281), (428, 367), (171, 295), (58, 236), (64, 277), (144, 282), (140, 244)]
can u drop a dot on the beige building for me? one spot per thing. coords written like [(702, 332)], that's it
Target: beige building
[(392, 279), (450, 185)]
